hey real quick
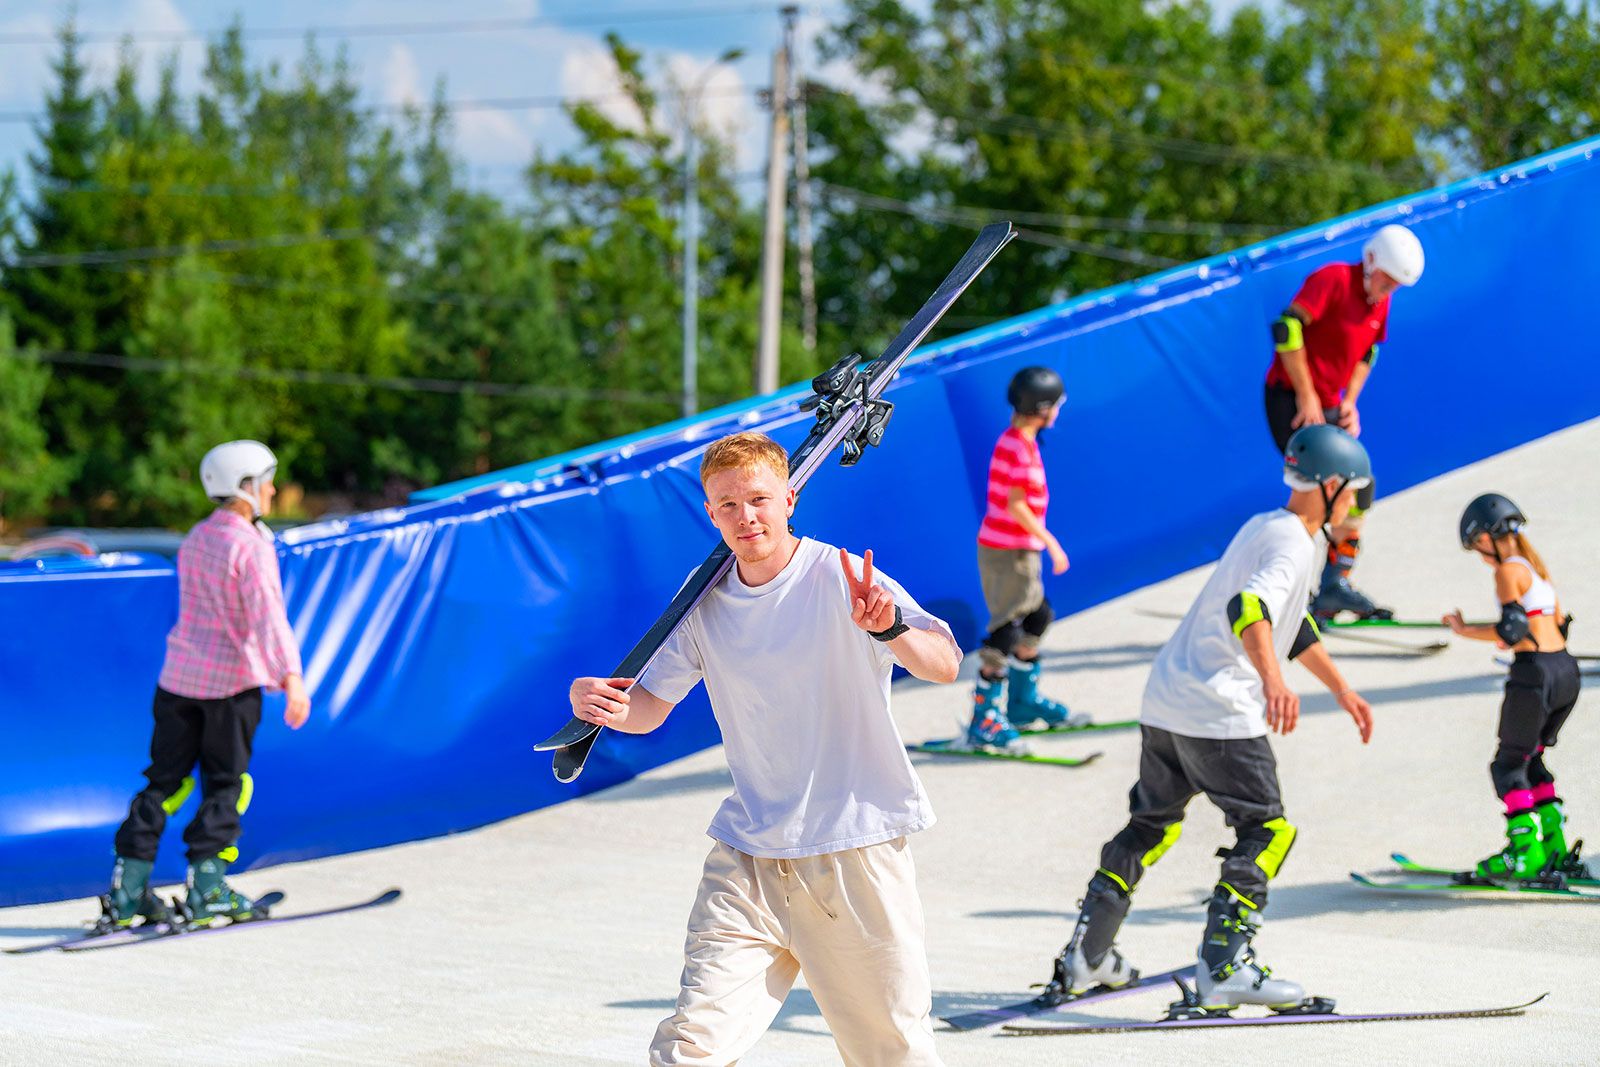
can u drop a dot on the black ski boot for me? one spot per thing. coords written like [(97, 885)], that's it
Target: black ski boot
[(1090, 960)]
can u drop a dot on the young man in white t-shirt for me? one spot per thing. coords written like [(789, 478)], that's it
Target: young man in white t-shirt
[(1214, 693), (811, 870)]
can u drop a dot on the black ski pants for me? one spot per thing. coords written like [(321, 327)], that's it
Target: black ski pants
[(1541, 691), (217, 734), (1282, 407), (1239, 775)]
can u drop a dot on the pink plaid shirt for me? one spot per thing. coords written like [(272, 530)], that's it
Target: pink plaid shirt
[(232, 632)]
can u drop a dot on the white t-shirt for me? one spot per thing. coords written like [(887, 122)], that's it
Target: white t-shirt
[(1202, 684), (802, 696)]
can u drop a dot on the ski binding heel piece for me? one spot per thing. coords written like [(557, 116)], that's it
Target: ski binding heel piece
[(1308, 1006)]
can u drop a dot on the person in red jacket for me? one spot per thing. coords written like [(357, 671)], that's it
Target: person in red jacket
[(1326, 345)]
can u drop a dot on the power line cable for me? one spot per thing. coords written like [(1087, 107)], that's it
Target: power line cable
[(130, 255), (503, 103), (1100, 222), (406, 29), (976, 218), (344, 378), (1177, 148)]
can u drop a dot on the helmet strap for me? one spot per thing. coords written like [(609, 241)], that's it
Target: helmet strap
[(1327, 507)]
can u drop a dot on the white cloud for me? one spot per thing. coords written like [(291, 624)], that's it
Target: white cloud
[(401, 77), (726, 108), (492, 138), (587, 69)]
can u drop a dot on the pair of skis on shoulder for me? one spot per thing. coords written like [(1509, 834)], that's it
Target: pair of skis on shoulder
[(1184, 1014), (96, 939), (959, 746), (851, 412), (1452, 881)]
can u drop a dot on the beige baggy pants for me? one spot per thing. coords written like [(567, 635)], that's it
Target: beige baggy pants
[(851, 920)]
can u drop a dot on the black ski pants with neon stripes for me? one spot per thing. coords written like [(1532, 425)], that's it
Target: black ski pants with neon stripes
[(218, 734), (1239, 775)]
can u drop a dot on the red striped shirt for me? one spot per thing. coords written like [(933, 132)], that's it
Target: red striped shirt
[(1016, 461)]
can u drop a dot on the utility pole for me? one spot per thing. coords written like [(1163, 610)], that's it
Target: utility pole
[(777, 198), (802, 213), (691, 268), (691, 234)]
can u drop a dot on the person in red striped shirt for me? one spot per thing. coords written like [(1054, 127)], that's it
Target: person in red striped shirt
[(231, 641), (1010, 567)]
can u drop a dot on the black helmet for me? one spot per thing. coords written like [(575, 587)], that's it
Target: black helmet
[(1492, 514), (1035, 390), (1317, 453)]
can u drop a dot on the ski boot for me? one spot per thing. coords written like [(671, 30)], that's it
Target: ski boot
[(1090, 959), (1523, 858), (1559, 859), (130, 898), (1027, 708), (210, 898), (990, 729), (1227, 974), (1337, 594)]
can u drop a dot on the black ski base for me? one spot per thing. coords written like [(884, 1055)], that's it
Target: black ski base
[(103, 932), (389, 896), (1277, 1018)]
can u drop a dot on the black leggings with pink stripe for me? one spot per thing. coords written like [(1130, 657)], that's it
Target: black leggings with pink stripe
[(1541, 690)]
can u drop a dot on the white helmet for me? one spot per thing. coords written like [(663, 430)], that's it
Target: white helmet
[(226, 468), (1396, 251)]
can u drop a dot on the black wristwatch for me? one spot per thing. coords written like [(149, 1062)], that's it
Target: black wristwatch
[(899, 627)]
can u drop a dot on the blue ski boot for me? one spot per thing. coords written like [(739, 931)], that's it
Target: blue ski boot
[(1028, 709), (1337, 594), (130, 897), (990, 728)]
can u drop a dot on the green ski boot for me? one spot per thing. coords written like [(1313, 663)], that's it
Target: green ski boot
[(1551, 833), (1524, 856), (210, 897), (130, 897), (1560, 857)]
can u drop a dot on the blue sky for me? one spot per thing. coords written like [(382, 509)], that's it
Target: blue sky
[(562, 54), (559, 54)]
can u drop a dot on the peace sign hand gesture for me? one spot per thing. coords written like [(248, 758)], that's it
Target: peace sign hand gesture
[(871, 606)]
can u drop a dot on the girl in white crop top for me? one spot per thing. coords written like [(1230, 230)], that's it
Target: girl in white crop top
[(1541, 691)]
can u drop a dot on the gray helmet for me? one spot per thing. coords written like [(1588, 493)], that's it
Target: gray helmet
[(1492, 514), (1317, 453)]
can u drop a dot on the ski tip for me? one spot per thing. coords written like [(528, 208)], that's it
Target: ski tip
[(388, 896)]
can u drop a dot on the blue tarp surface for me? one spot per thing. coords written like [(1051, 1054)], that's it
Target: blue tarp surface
[(440, 638)]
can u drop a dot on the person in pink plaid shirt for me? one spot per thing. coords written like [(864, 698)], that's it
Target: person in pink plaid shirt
[(232, 640)]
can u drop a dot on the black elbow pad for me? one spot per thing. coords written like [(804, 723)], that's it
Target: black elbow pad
[(1245, 610), (1306, 637), (1513, 624), (1565, 625)]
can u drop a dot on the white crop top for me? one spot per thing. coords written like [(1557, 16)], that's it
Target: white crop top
[(1540, 599)]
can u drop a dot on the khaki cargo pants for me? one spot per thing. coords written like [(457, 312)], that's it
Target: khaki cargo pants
[(851, 921)]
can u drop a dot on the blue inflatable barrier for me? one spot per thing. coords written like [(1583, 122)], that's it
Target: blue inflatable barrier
[(440, 638)]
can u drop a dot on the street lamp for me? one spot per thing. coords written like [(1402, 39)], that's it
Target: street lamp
[(691, 233)]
